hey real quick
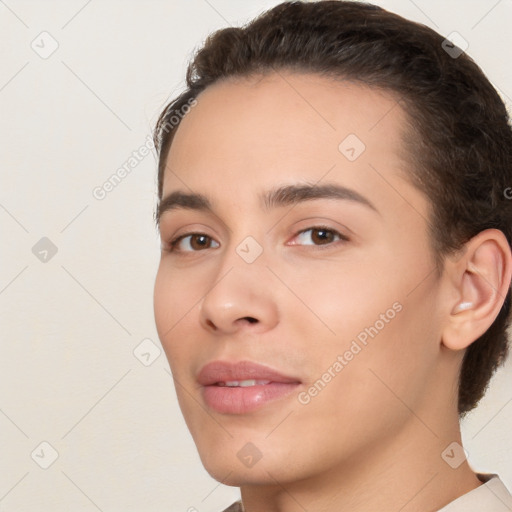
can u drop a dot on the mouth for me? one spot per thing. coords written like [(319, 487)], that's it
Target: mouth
[(239, 388), (243, 383)]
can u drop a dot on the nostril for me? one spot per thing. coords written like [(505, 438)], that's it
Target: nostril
[(250, 319)]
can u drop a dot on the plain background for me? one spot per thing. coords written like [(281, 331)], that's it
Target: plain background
[(70, 324)]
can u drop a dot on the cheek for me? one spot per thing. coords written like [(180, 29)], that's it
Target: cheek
[(164, 303), (346, 296), (176, 292), (173, 302), (379, 383), (365, 289), (381, 316), (391, 374)]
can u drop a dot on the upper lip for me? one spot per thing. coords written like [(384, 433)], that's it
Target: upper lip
[(225, 371)]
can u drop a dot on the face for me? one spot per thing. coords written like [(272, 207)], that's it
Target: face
[(295, 299)]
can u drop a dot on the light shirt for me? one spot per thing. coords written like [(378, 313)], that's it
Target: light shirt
[(491, 496)]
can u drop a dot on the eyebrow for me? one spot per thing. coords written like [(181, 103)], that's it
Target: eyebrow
[(274, 198)]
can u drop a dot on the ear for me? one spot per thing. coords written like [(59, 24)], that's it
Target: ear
[(479, 282)]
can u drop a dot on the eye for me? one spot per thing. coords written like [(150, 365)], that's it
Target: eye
[(319, 235), (191, 242), (195, 242)]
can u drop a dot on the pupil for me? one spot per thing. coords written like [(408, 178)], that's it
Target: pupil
[(201, 240), (324, 235)]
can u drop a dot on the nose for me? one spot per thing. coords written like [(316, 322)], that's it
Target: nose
[(241, 297)]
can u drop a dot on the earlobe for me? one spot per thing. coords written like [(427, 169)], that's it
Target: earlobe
[(482, 279)]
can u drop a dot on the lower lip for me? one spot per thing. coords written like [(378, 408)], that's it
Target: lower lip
[(240, 400)]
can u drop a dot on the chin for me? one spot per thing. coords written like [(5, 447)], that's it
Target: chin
[(240, 464), (237, 476)]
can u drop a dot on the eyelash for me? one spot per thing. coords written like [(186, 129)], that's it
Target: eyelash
[(171, 246)]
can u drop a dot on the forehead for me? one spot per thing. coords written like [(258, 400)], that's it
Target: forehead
[(246, 134), (283, 110)]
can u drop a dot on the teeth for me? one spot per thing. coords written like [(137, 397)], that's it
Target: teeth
[(243, 383)]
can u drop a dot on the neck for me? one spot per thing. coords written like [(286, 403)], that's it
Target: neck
[(405, 473)]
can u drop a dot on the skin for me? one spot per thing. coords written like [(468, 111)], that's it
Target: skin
[(372, 438)]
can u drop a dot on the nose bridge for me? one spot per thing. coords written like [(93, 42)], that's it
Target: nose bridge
[(245, 249), (242, 270), (241, 289)]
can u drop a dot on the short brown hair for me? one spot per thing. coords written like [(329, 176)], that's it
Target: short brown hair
[(460, 141)]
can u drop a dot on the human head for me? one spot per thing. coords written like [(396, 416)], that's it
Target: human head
[(459, 142)]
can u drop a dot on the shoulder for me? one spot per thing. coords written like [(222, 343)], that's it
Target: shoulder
[(491, 496), (235, 507)]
